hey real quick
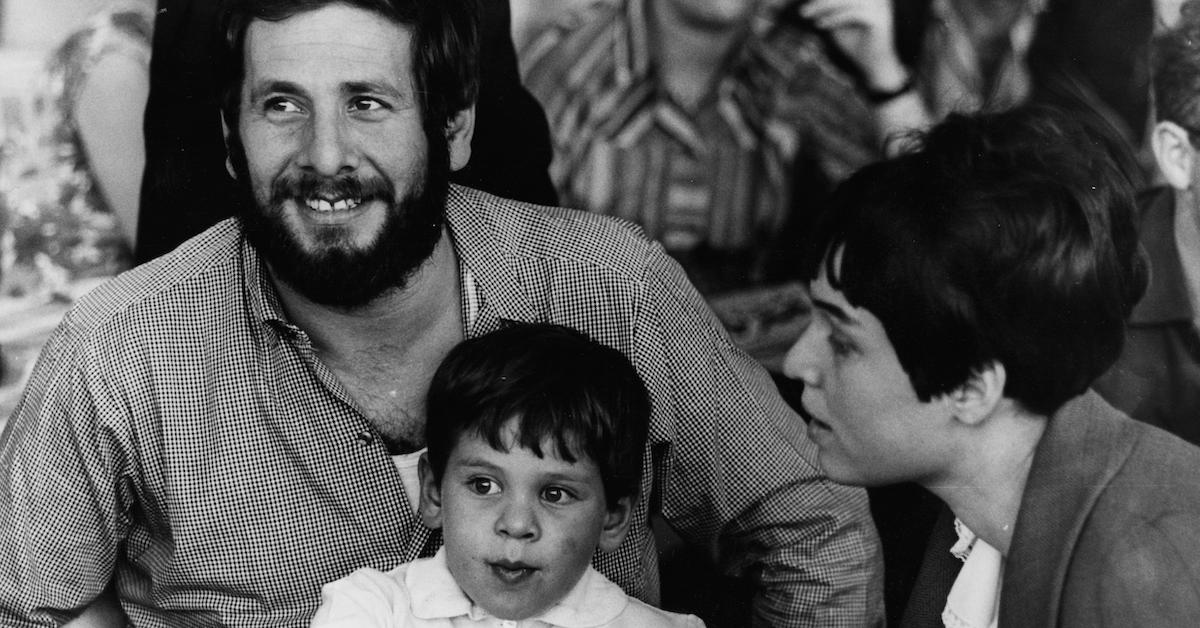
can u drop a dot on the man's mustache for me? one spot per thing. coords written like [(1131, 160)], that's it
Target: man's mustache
[(305, 185)]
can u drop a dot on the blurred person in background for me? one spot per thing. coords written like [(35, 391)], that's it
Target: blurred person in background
[(71, 170), (716, 125), (934, 57), (1157, 377), (72, 195)]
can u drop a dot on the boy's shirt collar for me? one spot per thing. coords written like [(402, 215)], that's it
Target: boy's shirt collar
[(594, 601)]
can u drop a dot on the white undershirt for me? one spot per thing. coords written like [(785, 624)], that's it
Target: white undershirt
[(406, 464)]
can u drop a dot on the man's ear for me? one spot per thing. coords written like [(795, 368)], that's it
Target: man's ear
[(1174, 153), (228, 159), (459, 131), (431, 495), (979, 396), (616, 524)]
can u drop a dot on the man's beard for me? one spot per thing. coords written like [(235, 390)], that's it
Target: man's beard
[(334, 272)]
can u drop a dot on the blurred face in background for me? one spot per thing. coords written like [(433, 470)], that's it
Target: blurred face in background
[(716, 15)]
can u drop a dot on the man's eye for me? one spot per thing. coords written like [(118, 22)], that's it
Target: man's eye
[(281, 105), (366, 104), (557, 495), (483, 486)]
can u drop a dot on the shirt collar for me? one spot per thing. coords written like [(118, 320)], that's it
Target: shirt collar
[(260, 288), (1166, 299), (485, 240), (594, 601)]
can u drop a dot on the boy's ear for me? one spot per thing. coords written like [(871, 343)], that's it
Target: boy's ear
[(1174, 154), (978, 397), (459, 131), (616, 524), (431, 495)]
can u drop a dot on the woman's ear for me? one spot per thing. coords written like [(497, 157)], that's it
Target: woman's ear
[(979, 396), (616, 524), (431, 495), (1174, 154)]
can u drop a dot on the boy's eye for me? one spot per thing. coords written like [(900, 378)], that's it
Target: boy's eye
[(557, 495), (483, 486)]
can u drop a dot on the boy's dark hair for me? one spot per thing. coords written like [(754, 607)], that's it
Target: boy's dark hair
[(1005, 238), (558, 385), (1176, 67), (445, 49)]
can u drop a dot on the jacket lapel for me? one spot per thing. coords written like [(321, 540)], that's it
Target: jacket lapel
[(1084, 446)]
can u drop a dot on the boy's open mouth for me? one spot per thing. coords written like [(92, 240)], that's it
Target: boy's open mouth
[(512, 572)]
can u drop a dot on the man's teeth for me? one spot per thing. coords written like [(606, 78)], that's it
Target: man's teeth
[(322, 205)]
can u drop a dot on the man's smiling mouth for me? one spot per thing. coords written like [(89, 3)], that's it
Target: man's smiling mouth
[(320, 204)]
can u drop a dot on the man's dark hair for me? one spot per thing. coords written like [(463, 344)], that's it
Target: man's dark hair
[(445, 49), (1003, 238), (559, 387), (1176, 67)]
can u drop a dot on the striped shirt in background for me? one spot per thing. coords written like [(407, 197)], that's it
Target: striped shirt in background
[(715, 178)]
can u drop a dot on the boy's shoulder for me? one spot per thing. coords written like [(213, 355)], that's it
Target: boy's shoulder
[(367, 596), (639, 613), (598, 596)]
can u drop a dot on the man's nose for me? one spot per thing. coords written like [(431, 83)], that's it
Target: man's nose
[(518, 520), (329, 147)]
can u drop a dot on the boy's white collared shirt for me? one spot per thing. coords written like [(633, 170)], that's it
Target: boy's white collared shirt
[(423, 594)]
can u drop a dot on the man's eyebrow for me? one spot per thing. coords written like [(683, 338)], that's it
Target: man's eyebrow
[(367, 87), (836, 311), (269, 87)]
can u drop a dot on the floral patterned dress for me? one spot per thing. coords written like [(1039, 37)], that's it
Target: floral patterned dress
[(55, 225)]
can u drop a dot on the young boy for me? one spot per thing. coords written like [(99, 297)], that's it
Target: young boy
[(535, 438)]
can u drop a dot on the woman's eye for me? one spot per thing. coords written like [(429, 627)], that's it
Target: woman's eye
[(557, 495), (840, 346), (483, 486)]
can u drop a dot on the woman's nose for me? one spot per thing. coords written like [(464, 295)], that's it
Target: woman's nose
[(802, 360)]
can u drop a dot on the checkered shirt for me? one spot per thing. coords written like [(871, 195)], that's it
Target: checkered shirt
[(180, 438)]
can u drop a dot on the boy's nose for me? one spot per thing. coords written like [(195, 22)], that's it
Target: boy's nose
[(518, 521)]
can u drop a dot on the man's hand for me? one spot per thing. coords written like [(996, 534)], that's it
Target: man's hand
[(863, 30)]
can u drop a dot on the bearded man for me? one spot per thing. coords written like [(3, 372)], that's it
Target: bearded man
[(215, 434)]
